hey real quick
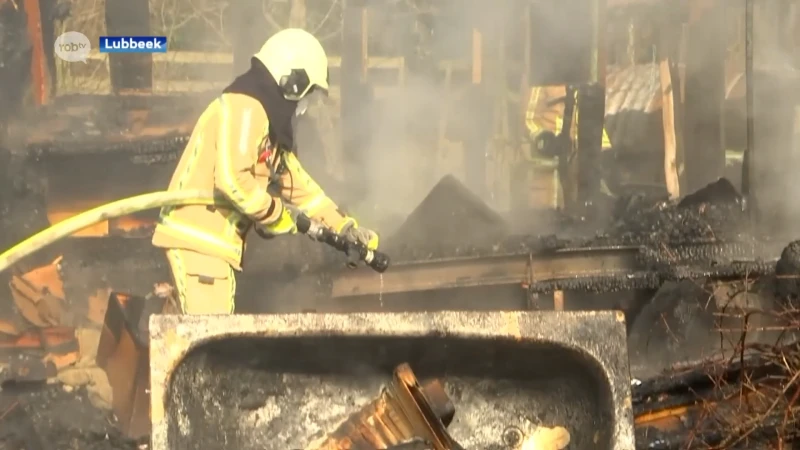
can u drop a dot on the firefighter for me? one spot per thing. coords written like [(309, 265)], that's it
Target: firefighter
[(242, 148), (544, 118)]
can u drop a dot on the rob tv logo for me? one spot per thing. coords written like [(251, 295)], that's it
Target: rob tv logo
[(133, 44)]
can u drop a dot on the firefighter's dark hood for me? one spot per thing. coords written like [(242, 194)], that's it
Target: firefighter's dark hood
[(261, 85)]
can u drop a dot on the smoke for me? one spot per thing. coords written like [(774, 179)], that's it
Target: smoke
[(420, 123), (775, 156)]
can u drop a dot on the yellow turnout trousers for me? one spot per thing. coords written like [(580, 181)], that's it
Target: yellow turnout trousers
[(204, 284)]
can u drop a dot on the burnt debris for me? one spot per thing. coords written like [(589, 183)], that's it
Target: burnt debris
[(47, 417), (708, 229), (787, 272)]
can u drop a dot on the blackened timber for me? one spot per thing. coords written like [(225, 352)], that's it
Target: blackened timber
[(129, 71), (500, 270), (591, 269), (591, 107)]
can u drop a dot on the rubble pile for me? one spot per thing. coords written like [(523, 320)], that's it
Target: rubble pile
[(53, 394), (712, 214), (705, 235)]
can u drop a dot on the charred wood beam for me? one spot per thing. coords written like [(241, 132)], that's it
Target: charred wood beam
[(597, 74), (171, 145), (488, 271), (591, 107), (609, 269), (129, 71)]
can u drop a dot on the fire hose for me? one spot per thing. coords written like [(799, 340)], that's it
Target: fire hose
[(355, 252)]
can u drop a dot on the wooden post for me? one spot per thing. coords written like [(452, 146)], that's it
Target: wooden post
[(671, 175), (475, 147), (558, 300), (38, 61), (354, 46), (598, 63), (590, 115), (129, 71), (671, 113)]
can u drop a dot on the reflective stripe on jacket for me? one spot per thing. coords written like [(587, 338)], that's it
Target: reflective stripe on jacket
[(300, 190), (541, 115), (222, 155)]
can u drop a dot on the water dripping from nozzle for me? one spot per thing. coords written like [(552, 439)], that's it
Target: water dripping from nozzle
[(380, 291)]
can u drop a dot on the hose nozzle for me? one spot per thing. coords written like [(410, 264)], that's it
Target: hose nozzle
[(355, 251)]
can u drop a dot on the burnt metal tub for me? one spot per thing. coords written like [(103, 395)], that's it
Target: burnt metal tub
[(284, 381)]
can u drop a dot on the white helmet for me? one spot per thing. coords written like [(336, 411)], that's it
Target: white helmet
[(297, 61)]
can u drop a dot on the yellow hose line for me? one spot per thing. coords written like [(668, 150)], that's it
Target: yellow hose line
[(102, 213)]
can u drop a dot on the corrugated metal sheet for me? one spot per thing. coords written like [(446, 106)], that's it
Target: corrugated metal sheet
[(633, 88), (633, 104)]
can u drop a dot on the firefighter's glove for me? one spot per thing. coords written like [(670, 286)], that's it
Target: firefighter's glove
[(284, 224), (364, 236)]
